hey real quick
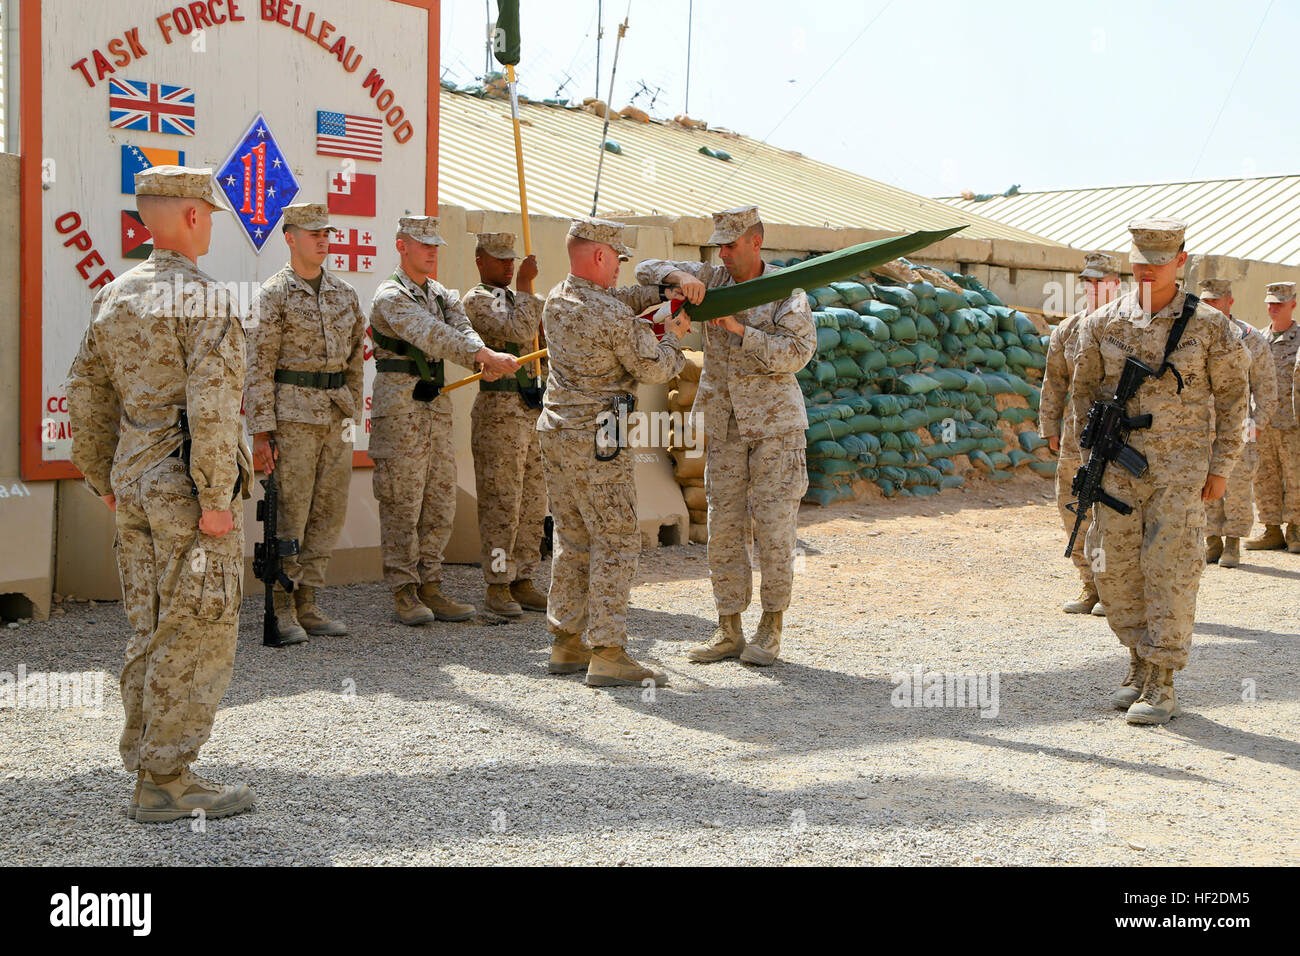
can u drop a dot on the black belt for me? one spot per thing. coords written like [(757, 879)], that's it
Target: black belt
[(288, 376), (406, 366)]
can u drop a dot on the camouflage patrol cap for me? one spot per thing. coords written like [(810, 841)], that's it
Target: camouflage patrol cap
[(498, 245), (308, 215), (1215, 288), (1280, 292), (1098, 265), (602, 230), (180, 182), (730, 224), (1156, 241), (421, 229)]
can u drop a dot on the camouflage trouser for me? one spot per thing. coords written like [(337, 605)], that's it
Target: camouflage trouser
[(313, 471), (510, 485), (597, 541), (181, 590), (415, 486), (1234, 514), (753, 487), (1277, 483), (1065, 470), (1150, 565)]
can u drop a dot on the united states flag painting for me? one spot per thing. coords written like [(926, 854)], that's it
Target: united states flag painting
[(358, 137), (151, 107)]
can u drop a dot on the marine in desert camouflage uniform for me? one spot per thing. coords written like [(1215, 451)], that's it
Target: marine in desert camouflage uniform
[(416, 324), (1277, 483), (1056, 423), (1150, 561), (599, 349), (1230, 518), (302, 399), (503, 438), (154, 396), (753, 414)]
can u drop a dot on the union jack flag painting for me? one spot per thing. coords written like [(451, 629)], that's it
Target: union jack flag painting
[(151, 107)]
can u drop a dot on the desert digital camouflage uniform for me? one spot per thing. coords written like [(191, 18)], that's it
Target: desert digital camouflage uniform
[(295, 329), (1277, 483), (1056, 416), (754, 416), (598, 348), (1152, 559), (507, 458), (1233, 515), (145, 361), (411, 440)]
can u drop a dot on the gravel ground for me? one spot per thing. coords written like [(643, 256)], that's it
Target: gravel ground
[(450, 744)]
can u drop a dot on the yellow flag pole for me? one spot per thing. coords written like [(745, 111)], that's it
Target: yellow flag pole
[(523, 359), (523, 192)]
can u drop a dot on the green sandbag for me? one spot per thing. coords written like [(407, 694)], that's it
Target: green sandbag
[(846, 369), (926, 354), (853, 342), (888, 487), (924, 491), (838, 466), (915, 418), (1018, 356), (864, 423), (893, 474), (890, 442), (1032, 344), (916, 384), (886, 374), (959, 322), (997, 384), (828, 340), (824, 372), (987, 416), (818, 396), (1019, 457), (1030, 441), (870, 441), (852, 445), (1005, 320), (890, 456), (851, 293), (1037, 361), (980, 460), (937, 452), (939, 413), (880, 310), (983, 290), (922, 290), (974, 299), (903, 330), (911, 441), (951, 481), (985, 341), (991, 444), (885, 405), (925, 328), (827, 496), (827, 449), (994, 358), (824, 295), (827, 430), (844, 318), (878, 329), (899, 356), (1017, 416), (1044, 467), (999, 459), (1023, 325), (952, 345), (974, 356), (927, 307), (943, 466), (873, 361), (964, 446), (894, 295), (804, 375), (948, 300), (824, 320)]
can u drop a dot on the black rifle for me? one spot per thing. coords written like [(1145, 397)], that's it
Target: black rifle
[(1106, 435), (268, 564)]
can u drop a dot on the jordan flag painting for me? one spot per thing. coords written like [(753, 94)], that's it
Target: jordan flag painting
[(137, 241)]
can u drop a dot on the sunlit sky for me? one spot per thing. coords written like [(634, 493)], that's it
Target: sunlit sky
[(941, 96)]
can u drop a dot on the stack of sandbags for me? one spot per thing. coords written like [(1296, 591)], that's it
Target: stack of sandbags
[(918, 386), (688, 458)]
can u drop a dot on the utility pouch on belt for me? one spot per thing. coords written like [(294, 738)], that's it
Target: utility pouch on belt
[(609, 436)]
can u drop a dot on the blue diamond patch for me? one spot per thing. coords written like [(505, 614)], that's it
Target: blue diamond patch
[(258, 182)]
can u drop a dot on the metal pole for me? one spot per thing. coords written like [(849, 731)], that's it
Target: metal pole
[(600, 32), (622, 29), (690, 21)]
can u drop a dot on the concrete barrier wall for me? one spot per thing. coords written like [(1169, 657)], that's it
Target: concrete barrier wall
[(67, 534)]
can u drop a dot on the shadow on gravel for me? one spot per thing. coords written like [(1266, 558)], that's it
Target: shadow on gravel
[(1215, 736), (487, 810), (1268, 572), (1079, 756), (1249, 634)]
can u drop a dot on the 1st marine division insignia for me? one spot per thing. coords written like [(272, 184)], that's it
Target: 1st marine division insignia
[(258, 182)]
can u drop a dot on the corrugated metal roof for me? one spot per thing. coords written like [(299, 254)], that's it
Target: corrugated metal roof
[(662, 172), (1244, 218)]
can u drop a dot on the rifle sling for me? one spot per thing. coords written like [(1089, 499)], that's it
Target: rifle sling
[(1190, 302)]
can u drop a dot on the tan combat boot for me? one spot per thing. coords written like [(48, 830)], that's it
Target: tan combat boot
[(762, 650), (529, 598), (1270, 540), (568, 654), (611, 667), (135, 797), (1086, 600), (728, 640), (1292, 539), (498, 601), (409, 608), (1213, 548), (443, 607), (176, 796), (1231, 553), (285, 618), (1131, 689), (1099, 610), (1157, 702), (311, 617)]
